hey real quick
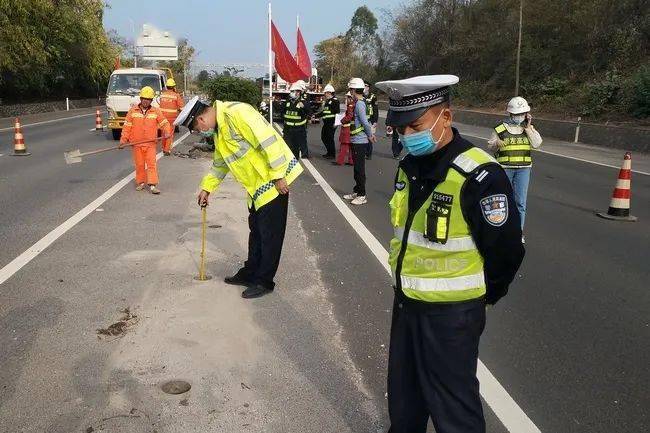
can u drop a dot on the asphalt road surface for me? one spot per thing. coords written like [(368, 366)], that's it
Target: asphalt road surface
[(569, 344)]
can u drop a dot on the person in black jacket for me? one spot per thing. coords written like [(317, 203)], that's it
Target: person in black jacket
[(295, 114), (331, 107)]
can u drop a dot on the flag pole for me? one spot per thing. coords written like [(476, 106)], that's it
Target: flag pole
[(270, 71)]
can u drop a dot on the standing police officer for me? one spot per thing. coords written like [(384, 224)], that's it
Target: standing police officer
[(331, 107), (457, 247), (296, 113), (373, 113)]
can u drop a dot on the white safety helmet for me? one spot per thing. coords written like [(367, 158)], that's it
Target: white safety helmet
[(329, 88), (518, 105), (303, 85), (262, 104), (296, 86), (356, 83)]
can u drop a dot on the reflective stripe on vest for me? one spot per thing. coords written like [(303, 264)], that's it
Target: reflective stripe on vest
[(516, 151), (433, 257), (368, 114)]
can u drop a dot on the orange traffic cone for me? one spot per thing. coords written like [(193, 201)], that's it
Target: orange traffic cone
[(98, 122), (19, 140), (619, 207)]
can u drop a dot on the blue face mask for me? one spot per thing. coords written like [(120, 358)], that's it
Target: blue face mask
[(421, 143), (208, 133)]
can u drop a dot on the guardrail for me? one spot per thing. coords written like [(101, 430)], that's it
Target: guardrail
[(12, 110), (619, 137)]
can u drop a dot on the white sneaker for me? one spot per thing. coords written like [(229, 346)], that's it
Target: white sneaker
[(154, 189), (350, 196), (140, 187), (360, 200)]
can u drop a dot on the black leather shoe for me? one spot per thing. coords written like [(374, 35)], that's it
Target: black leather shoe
[(237, 280), (255, 291)]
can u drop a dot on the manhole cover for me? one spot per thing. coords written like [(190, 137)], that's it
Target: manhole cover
[(176, 387)]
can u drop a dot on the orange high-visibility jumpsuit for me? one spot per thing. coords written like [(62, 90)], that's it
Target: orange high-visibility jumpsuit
[(171, 103), (141, 125)]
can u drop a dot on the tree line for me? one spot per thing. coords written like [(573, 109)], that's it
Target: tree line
[(59, 48), (578, 58)]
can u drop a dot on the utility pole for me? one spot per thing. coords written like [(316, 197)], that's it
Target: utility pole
[(521, 19)]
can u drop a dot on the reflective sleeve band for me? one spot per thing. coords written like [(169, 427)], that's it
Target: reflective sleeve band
[(269, 141), (243, 148), (219, 163), (295, 123), (278, 162), (357, 130), (453, 244), (443, 284), (219, 173), (128, 124), (329, 116), (499, 129)]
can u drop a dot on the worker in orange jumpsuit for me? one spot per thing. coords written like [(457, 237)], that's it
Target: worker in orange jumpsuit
[(142, 124), (171, 103)]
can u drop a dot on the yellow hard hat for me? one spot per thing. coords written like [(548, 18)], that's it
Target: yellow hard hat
[(147, 93), (171, 82)]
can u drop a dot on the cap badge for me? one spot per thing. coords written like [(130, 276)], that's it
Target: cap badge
[(395, 94)]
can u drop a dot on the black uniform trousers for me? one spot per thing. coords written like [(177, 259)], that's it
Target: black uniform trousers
[(267, 226), (327, 136), (432, 366), (296, 138), (359, 156)]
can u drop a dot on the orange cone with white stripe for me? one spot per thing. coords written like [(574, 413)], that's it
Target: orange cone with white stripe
[(98, 122), (19, 140), (619, 207)]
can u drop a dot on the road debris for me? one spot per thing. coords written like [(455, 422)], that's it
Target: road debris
[(119, 328)]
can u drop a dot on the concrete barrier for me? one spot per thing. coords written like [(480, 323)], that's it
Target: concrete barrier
[(620, 137), (44, 107)]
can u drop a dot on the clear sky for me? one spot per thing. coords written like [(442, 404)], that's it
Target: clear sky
[(235, 31)]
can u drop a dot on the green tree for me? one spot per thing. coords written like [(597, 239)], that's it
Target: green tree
[(228, 88)]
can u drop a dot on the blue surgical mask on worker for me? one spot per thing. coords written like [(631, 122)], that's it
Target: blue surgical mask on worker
[(208, 133), (422, 143), (517, 119)]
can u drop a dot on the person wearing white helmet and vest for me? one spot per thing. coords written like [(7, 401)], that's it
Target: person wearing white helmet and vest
[(246, 145), (296, 113), (456, 248), (513, 141), (331, 107), (361, 134)]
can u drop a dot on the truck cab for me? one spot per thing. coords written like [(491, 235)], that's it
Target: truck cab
[(123, 92)]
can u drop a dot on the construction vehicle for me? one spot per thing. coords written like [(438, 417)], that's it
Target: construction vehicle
[(281, 92), (123, 89)]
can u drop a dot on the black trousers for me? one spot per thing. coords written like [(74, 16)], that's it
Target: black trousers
[(359, 156), (432, 367), (369, 148), (327, 136), (267, 226), (296, 138)]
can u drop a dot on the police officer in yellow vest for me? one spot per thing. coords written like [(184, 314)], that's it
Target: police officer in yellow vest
[(247, 146), (295, 115), (331, 107), (457, 247), (513, 141)]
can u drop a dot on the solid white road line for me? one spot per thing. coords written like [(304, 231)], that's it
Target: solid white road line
[(48, 121), (566, 156), (19, 262), (506, 409)]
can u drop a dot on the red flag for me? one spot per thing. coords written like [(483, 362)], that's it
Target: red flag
[(302, 56), (285, 64)]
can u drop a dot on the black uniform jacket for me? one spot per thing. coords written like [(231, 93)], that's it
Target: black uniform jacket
[(500, 246)]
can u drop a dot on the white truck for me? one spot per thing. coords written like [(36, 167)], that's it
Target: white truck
[(123, 92)]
